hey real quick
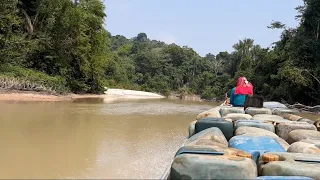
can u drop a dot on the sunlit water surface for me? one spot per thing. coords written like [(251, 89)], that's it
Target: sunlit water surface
[(93, 139)]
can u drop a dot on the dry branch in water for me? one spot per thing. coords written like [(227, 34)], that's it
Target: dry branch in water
[(315, 109)]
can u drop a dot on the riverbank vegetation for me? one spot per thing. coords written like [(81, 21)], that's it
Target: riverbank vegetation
[(63, 46)]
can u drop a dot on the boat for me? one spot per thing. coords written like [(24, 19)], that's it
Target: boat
[(264, 144)]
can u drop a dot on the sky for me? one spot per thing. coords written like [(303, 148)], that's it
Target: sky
[(207, 26)]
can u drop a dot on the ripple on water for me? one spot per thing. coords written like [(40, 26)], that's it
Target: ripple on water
[(123, 140), (145, 158), (154, 108)]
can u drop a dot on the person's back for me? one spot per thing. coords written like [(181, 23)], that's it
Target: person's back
[(237, 100), (238, 94)]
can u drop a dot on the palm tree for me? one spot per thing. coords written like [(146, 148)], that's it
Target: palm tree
[(244, 50)]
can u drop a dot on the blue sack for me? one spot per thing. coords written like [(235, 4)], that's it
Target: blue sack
[(256, 145)]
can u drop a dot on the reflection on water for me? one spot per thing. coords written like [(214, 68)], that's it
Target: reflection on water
[(92, 139)]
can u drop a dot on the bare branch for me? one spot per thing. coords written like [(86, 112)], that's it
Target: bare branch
[(29, 22)]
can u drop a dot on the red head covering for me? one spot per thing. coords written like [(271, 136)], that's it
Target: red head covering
[(243, 86)]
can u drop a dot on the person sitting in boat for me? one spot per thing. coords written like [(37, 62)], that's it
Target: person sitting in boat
[(227, 100), (238, 93)]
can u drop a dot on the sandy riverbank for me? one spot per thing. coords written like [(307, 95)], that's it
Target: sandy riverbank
[(110, 95), (35, 96)]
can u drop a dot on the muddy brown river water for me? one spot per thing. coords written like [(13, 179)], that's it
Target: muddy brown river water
[(93, 139)]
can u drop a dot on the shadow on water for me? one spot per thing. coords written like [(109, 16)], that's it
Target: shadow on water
[(89, 100), (111, 100)]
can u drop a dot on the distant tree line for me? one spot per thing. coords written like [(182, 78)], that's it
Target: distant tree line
[(62, 46)]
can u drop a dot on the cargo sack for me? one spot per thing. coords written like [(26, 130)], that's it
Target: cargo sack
[(289, 164), (303, 147), (306, 120), (225, 126), (237, 116), (283, 178), (253, 131), (209, 136), (255, 123), (192, 128), (254, 111), (256, 145), (253, 101), (282, 111), (267, 117), (273, 104), (227, 110), (283, 129), (292, 117), (211, 165), (214, 112), (301, 134)]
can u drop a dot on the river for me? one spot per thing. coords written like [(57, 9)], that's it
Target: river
[(92, 139)]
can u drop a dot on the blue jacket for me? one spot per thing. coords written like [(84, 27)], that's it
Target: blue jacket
[(237, 100)]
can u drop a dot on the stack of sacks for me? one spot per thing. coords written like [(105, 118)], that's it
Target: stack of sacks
[(280, 111), (207, 163), (307, 121), (213, 138), (283, 129), (301, 134), (256, 132), (234, 113), (284, 126), (273, 104), (268, 118), (283, 178), (304, 141), (257, 136), (191, 128), (206, 156), (256, 145), (304, 147), (237, 116), (254, 111), (211, 113), (254, 123), (317, 124), (293, 117), (208, 136), (214, 112), (221, 123), (227, 110), (253, 131), (289, 164)]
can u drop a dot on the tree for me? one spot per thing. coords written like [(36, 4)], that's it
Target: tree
[(12, 37)]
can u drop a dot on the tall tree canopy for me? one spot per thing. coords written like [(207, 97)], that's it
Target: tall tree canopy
[(63, 45)]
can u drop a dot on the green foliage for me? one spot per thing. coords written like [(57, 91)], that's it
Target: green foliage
[(64, 45), (21, 75), (12, 41), (59, 38)]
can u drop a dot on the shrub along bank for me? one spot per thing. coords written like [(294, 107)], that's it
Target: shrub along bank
[(62, 46)]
